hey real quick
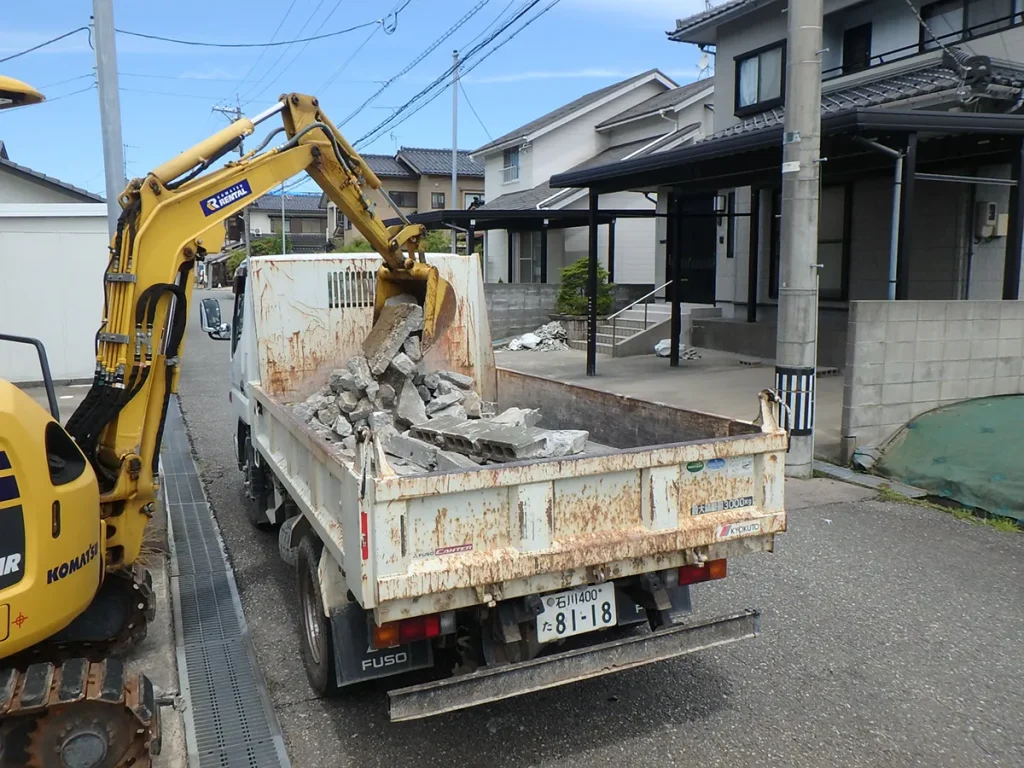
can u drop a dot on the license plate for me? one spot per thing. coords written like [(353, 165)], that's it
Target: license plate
[(576, 611)]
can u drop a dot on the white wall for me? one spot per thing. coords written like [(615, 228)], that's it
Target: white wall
[(52, 289), (259, 220), (18, 188)]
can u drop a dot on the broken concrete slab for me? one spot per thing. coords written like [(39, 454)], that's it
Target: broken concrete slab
[(424, 392), (394, 325), (472, 404), (404, 365), (380, 419), (413, 348), (362, 410), (452, 411), (328, 414), (502, 442), (449, 461), (410, 408), (419, 452), (372, 389), (565, 442), (518, 417), (349, 443), (347, 401), (341, 381), (303, 412), (342, 427), (359, 367), (433, 431), (430, 381), (385, 397), (441, 402), (461, 380)]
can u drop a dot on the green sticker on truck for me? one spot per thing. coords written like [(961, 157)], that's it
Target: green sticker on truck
[(695, 466)]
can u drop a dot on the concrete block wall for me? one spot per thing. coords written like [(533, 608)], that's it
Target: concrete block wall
[(905, 358), (515, 308)]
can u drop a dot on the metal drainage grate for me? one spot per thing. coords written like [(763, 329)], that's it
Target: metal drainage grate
[(229, 721)]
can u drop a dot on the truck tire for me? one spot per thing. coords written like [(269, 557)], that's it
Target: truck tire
[(317, 640)]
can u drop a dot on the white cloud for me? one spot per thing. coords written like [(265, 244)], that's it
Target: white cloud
[(211, 74), (563, 74)]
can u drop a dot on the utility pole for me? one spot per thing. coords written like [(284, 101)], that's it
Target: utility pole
[(796, 342), (110, 107), (455, 147), (234, 114), (284, 243)]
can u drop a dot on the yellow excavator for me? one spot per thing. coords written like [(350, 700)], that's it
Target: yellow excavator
[(75, 501)]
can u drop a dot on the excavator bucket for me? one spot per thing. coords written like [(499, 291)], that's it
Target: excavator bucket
[(431, 291)]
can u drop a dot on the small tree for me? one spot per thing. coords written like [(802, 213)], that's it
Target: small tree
[(436, 241), (356, 245), (572, 295)]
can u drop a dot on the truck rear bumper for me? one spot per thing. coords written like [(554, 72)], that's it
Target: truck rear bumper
[(504, 682)]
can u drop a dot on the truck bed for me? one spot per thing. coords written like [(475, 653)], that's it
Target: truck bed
[(677, 487)]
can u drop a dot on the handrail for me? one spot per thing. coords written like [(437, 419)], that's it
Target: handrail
[(642, 298)]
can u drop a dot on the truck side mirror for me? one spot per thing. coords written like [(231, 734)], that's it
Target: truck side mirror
[(210, 320)]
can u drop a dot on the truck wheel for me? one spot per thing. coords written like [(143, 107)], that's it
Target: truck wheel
[(317, 640)]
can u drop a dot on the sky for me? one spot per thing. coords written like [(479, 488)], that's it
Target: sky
[(168, 90)]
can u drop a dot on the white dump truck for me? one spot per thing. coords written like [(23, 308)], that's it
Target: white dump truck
[(500, 579)]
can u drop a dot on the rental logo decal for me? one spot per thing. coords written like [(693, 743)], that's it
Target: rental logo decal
[(10, 563), (732, 530), (225, 197), (72, 565)]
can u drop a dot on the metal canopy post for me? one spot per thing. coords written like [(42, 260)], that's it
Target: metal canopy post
[(544, 252), (1015, 229), (905, 217), (675, 228), (611, 251), (592, 287), (754, 241), (511, 272)]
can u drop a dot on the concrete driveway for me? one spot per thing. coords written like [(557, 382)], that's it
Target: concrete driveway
[(891, 638)]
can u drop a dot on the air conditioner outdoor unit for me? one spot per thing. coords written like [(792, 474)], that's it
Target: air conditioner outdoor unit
[(257, 231)]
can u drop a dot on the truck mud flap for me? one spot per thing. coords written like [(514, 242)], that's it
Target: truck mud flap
[(504, 682)]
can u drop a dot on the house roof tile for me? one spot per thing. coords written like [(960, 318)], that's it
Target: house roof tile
[(661, 101), (292, 203), (438, 162), (566, 109), (710, 15), (920, 80), (389, 167)]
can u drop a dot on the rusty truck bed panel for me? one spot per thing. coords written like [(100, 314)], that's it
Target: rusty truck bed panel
[(438, 541)]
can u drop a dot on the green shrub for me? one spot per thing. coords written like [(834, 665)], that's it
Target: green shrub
[(572, 295), (356, 245)]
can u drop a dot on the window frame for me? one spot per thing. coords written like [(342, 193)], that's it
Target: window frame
[(761, 105), (434, 199), (506, 166), (924, 36), (397, 195), (848, 69)]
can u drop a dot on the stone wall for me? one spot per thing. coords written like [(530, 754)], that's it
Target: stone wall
[(905, 358)]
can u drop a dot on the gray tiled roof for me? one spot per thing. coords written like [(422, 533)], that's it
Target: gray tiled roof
[(923, 79), (697, 19), (438, 162), (529, 198), (566, 109), (388, 166), (292, 203), (71, 188), (665, 100)]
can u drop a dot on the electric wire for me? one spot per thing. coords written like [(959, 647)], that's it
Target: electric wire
[(264, 51), (334, 76), (269, 44), (43, 44), (473, 110)]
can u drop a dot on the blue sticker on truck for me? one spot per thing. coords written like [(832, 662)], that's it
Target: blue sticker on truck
[(225, 197)]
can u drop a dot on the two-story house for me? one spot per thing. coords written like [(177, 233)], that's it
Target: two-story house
[(536, 237), (416, 180), (302, 218)]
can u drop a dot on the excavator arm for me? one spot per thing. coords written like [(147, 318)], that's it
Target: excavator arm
[(171, 219)]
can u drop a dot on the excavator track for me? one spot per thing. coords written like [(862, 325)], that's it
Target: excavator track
[(78, 714), (116, 621)]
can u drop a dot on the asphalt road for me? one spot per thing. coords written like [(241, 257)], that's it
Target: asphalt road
[(891, 637)]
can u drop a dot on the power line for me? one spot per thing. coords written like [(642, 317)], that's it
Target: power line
[(433, 90), (264, 51), (473, 110), (334, 76), (165, 93), (270, 70), (497, 18), (924, 24), (69, 80), (56, 98), (179, 77), (51, 41), (270, 44), (387, 83)]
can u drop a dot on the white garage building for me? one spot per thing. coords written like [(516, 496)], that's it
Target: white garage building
[(53, 250)]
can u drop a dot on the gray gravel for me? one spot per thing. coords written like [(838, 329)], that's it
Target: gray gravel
[(891, 637)]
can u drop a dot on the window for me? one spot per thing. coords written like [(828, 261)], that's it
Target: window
[(348, 223), (759, 80), (945, 19), (856, 49), (528, 257), (468, 198), (833, 241), (985, 16), (275, 226), (437, 200), (510, 165), (404, 199)]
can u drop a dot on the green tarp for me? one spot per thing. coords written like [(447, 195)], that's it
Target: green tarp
[(971, 452)]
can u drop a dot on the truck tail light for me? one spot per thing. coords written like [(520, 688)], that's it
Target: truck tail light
[(410, 630), (692, 574)]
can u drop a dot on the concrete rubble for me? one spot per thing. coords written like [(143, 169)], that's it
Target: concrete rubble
[(550, 337), (425, 421), (664, 349)]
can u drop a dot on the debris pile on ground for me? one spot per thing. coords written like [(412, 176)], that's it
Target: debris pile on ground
[(425, 422), (550, 337), (664, 348)]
